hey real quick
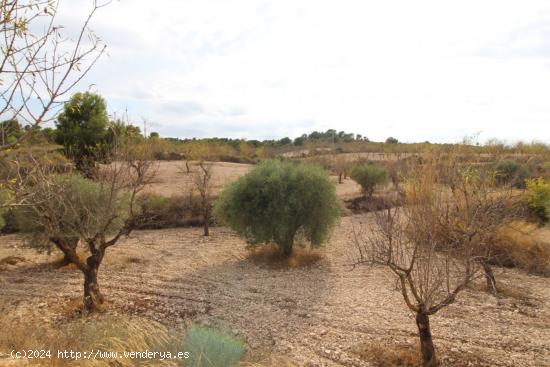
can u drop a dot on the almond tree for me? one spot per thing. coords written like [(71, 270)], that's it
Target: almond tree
[(408, 241), (98, 212), (441, 239), (203, 183)]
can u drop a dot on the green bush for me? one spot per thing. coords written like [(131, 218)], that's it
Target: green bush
[(369, 176), (538, 197), (210, 347), (169, 212), (508, 172), (278, 201)]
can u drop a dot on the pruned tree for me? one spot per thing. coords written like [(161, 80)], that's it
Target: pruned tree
[(278, 201), (39, 64), (440, 240), (430, 276), (368, 176), (341, 167), (202, 181), (97, 212), (477, 210)]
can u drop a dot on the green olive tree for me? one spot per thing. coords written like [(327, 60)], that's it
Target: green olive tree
[(369, 176), (279, 201)]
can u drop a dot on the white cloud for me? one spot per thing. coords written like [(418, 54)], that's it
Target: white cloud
[(423, 70)]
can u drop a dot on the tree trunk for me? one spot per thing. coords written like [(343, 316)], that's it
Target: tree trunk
[(187, 166), (206, 225), (490, 278), (426, 343), (287, 250), (205, 215), (340, 178), (92, 296)]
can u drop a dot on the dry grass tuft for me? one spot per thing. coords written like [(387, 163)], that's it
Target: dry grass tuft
[(389, 356), (97, 332), (272, 255), (517, 245)]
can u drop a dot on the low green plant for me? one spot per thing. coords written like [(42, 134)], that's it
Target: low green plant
[(538, 197), (369, 176), (280, 201), (509, 172), (209, 347)]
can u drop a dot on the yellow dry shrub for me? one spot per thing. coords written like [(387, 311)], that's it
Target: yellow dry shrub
[(516, 244)]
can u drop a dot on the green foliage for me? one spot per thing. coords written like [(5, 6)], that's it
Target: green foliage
[(210, 347), (5, 196), (82, 128), (158, 211), (10, 131), (391, 140), (538, 197), (279, 200), (369, 176), (68, 206), (508, 172)]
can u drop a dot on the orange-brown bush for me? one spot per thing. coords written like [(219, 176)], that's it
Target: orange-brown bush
[(272, 254), (516, 245), (389, 356)]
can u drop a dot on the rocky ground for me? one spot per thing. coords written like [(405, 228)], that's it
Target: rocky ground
[(317, 316)]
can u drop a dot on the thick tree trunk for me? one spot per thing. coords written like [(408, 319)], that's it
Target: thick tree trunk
[(490, 278), (426, 343), (340, 178), (92, 296)]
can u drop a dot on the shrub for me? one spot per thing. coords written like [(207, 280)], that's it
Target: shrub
[(538, 197), (210, 347), (516, 245), (158, 211), (369, 176), (508, 172), (279, 201)]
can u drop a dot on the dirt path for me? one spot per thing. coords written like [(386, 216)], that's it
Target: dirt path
[(316, 314)]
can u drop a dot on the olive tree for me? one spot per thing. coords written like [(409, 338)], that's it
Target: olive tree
[(67, 209), (369, 176), (278, 201)]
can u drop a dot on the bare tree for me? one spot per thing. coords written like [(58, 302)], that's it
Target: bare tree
[(98, 212), (202, 181), (407, 240), (441, 239), (38, 68)]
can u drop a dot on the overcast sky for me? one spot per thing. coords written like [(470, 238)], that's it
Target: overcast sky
[(417, 70)]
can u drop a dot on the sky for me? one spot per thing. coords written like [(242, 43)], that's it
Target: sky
[(418, 70)]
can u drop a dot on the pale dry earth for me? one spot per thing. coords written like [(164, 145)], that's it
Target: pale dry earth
[(172, 178), (316, 316)]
